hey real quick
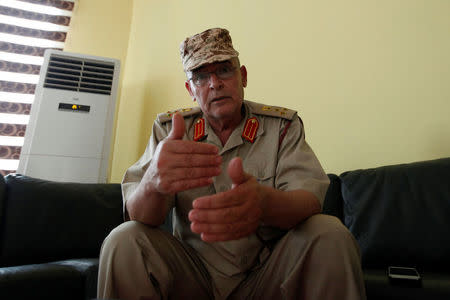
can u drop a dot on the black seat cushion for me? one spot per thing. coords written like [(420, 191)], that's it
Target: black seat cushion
[(88, 267), (432, 286), (41, 281)]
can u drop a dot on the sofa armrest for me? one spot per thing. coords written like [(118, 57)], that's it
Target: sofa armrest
[(46, 221)]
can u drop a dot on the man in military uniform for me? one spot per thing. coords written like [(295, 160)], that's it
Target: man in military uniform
[(247, 191)]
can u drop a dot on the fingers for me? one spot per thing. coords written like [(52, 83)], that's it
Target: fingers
[(188, 161), (247, 210), (180, 165), (245, 192), (233, 197), (171, 173), (186, 184), (182, 179), (193, 173), (172, 156), (189, 147), (232, 214), (236, 172), (178, 127), (222, 200)]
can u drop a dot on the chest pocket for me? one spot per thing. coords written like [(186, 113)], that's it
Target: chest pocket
[(263, 171)]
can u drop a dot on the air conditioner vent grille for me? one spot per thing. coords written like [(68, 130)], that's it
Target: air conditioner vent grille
[(79, 75)]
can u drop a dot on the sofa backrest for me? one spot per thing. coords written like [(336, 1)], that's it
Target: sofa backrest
[(45, 221), (333, 203), (400, 215)]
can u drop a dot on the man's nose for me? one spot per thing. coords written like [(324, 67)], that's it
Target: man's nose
[(214, 81)]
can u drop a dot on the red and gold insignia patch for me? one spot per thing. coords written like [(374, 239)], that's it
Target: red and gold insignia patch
[(199, 129), (250, 129)]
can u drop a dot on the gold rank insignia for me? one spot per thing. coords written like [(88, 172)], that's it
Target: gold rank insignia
[(272, 111), (199, 129), (250, 129), (183, 110)]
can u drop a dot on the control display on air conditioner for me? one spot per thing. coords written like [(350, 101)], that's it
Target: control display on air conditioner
[(74, 107)]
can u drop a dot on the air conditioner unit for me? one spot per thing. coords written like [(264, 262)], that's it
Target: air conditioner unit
[(68, 137)]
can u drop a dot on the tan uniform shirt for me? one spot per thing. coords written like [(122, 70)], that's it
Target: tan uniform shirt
[(290, 165)]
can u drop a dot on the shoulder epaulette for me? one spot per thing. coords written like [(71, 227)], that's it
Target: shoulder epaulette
[(270, 110), (185, 112)]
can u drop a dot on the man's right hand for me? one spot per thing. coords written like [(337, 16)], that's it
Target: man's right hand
[(179, 165)]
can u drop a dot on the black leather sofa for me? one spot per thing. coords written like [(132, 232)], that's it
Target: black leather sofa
[(51, 233), (400, 216)]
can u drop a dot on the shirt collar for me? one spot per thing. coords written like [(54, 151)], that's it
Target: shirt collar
[(235, 138)]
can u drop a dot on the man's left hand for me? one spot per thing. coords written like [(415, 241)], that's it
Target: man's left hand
[(229, 215)]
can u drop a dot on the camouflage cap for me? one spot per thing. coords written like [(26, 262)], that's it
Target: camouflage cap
[(210, 46)]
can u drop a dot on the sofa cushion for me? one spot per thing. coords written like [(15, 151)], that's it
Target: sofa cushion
[(432, 286), (41, 281), (400, 214), (88, 268), (47, 221)]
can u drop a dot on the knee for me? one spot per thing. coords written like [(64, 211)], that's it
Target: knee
[(124, 231), (331, 260), (327, 231), (320, 224), (125, 235)]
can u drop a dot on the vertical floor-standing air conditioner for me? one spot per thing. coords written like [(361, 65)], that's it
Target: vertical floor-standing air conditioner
[(68, 137)]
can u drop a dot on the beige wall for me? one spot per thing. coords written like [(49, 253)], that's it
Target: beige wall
[(369, 78)]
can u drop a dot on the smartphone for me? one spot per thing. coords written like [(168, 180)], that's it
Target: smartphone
[(404, 275)]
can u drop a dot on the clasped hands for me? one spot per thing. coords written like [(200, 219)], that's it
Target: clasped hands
[(181, 165)]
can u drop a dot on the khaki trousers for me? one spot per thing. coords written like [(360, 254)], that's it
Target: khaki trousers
[(317, 259)]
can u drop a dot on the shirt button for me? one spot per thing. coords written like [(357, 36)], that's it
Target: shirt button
[(261, 174)]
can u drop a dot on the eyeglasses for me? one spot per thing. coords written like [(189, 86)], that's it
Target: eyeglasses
[(202, 78)]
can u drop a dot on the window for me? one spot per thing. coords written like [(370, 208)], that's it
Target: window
[(27, 28)]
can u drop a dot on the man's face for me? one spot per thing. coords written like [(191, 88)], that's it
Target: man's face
[(219, 89)]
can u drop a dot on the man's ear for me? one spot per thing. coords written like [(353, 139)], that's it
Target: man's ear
[(188, 88), (244, 75)]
